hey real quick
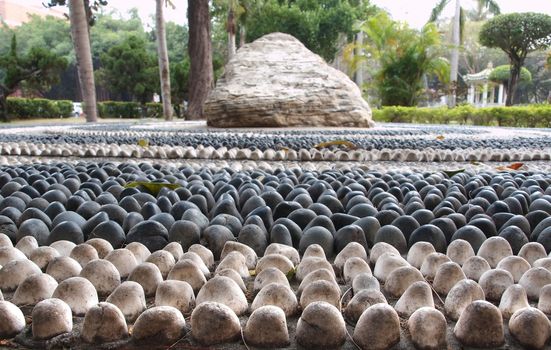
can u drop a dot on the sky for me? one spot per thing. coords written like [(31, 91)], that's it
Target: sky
[(415, 12)]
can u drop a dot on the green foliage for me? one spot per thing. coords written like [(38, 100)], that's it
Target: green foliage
[(115, 109), (129, 69), (38, 69), (317, 24), (517, 33), (502, 74), (404, 56), (30, 108), (91, 7), (525, 116), (154, 110)]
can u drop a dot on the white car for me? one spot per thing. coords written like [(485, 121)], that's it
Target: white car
[(77, 109)]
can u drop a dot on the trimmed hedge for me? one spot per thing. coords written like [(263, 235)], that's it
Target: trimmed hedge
[(129, 110), (30, 108), (517, 116)]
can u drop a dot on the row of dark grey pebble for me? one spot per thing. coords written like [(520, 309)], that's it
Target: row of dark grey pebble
[(296, 207), (402, 154)]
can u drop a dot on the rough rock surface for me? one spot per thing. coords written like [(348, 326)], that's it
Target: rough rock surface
[(276, 81)]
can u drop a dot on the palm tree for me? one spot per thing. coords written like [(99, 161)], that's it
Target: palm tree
[(164, 70), (81, 42), (201, 75), (236, 17), (457, 30)]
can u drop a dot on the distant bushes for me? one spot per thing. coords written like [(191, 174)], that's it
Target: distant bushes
[(522, 116), (129, 110), (31, 108)]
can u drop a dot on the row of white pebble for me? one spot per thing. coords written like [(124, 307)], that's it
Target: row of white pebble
[(65, 279)]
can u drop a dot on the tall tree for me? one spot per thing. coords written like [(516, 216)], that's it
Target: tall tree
[(517, 34), (201, 75), (81, 17), (457, 30), (38, 69), (81, 41), (162, 53), (403, 56)]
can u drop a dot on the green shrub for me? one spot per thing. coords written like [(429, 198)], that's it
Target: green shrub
[(518, 116), (29, 108), (115, 109), (154, 110)]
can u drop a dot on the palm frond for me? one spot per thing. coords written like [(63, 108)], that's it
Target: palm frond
[(491, 5), (437, 10)]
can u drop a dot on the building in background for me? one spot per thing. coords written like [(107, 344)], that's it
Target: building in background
[(16, 12)]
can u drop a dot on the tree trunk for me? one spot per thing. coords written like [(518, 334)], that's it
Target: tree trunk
[(162, 53), (231, 34), (81, 43), (512, 83), (242, 35), (454, 64), (359, 77), (4, 107), (201, 75)]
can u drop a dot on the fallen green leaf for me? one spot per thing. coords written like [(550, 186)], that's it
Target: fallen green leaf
[(153, 187), (345, 143), (451, 173), (143, 142)]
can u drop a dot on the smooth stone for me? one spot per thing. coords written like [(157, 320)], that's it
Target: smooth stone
[(418, 295), (212, 315), (378, 328), (35, 228), (494, 283), (431, 264), (62, 268), (534, 280), (475, 267), (159, 324), (103, 323), (190, 272), (278, 295), (64, 248), (352, 249), (251, 257), (204, 253), (460, 296), (197, 260), (544, 302), (288, 251), (27, 244), (33, 289), (532, 251), (365, 281), (320, 290), (123, 260), (480, 325), (427, 327), (66, 231), (316, 275), (102, 246), (110, 231), (516, 266), (399, 280), (234, 276), (178, 294), (471, 234), (184, 232), (393, 236), (103, 275), (314, 251), (380, 249), (13, 320), (447, 275), (148, 276), (361, 301), (270, 275), (164, 260), (418, 252), (15, 272), (129, 297), (267, 328), (223, 290), (51, 317), (459, 251), (151, 234), (280, 262), (321, 325), (530, 327), (387, 263), (215, 237), (514, 298), (78, 293), (353, 267), (317, 235), (84, 253), (234, 260), (429, 233)]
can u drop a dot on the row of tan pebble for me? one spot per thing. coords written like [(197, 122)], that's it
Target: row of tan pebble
[(109, 287), (201, 152)]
